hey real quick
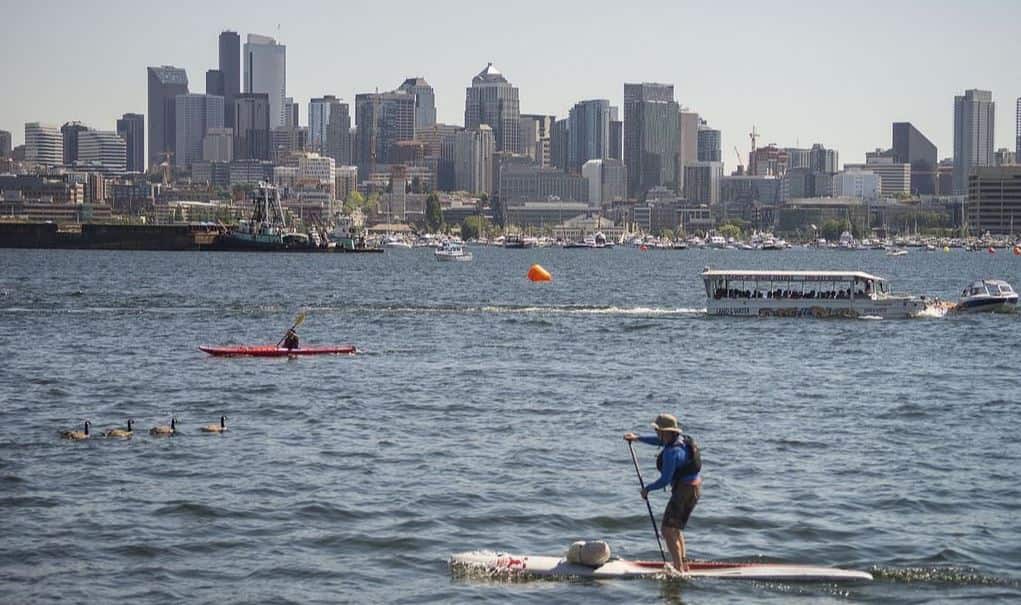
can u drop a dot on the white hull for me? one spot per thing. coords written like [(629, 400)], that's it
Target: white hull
[(623, 569), (454, 257), (889, 308)]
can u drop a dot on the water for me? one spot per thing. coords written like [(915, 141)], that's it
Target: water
[(486, 412)]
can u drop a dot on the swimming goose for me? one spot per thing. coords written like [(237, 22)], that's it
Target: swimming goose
[(216, 428), (77, 435), (164, 431), (121, 433)]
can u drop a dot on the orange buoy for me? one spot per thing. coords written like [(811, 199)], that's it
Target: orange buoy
[(1017, 250), (537, 273)]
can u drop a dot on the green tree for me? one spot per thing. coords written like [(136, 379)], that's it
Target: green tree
[(474, 227), (832, 228), (729, 230), (666, 233), (433, 213)]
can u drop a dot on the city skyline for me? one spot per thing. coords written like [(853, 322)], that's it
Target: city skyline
[(844, 91)]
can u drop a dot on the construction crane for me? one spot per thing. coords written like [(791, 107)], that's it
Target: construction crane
[(753, 135), (740, 164)]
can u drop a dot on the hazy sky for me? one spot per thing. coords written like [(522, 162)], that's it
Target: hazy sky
[(837, 73)]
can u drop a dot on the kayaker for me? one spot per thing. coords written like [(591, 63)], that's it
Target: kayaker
[(291, 340), (679, 463)]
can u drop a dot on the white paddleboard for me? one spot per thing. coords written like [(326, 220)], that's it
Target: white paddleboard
[(622, 568)]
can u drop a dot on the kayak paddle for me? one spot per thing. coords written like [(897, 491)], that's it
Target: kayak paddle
[(652, 517), (297, 322)]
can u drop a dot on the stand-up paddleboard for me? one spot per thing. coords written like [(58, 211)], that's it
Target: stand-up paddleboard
[(274, 351), (623, 568)]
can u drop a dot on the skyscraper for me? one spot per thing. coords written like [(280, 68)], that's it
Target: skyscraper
[(492, 100), (131, 128), (558, 144), (44, 145), (473, 160), (70, 131), (214, 82), (911, 147), (1017, 140), (534, 135), (165, 83), (251, 126), (710, 143), (266, 72), (651, 137), (103, 151), (382, 119), (329, 128), (230, 69), (689, 122), (425, 101), (5, 143), (588, 132), (974, 118), (195, 115)]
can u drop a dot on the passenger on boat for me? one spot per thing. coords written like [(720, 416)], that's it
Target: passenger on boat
[(291, 340)]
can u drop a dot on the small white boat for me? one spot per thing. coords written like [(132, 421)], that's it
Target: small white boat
[(896, 252), (545, 566), (393, 241), (452, 252), (987, 296)]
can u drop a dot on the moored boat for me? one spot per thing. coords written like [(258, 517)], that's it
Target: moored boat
[(450, 251)]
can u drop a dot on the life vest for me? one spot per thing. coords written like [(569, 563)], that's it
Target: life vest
[(692, 465)]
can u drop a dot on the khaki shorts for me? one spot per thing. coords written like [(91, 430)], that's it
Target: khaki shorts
[(682, 501)]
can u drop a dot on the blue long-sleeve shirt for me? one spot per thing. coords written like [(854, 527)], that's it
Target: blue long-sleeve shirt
[(673, 459)]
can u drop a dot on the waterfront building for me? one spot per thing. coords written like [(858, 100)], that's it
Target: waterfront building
[(214, 82), (543, 213), (527, 182), (195, 115), (588, 132), (425, 101), (994, 200), (974, 120), (710, 143), (912, 147), (535, 131), (894, 177), (318, 172), (856, 183), (69, 132), (607, 181), (381, 120), (346, 181), (165, 83), (214, 174), (651, 137), (1004, 157), (251, 127), (44, 144), (945, 177), (131, 128), (5, 143), (102, 151), (266, 72), (218, 145), (689, 123), (230, 70), (702, 182), (493, 101), (473, 160), (559, 140)]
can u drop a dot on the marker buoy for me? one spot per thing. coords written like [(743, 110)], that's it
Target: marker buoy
[(537, 273), (643, 248), (1017, 250)]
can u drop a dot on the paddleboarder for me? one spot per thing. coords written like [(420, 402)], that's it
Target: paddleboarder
[(680, 465)]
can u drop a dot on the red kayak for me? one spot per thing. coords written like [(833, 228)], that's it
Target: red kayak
[(274, 351)]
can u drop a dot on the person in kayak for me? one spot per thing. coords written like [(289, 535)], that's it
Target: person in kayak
[(680, 465), (291, 340)]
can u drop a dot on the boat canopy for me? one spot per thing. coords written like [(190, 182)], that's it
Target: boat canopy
[(778, 276)]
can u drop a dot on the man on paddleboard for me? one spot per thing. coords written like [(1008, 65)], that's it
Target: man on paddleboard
[(680, 464)]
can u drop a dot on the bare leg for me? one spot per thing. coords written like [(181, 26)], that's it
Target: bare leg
[(675, 543)]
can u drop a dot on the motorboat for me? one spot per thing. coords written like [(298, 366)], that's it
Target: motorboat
[(450, 251), (394, 241), (987, 296), (896, 252)]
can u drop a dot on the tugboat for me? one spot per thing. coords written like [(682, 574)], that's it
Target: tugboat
[(267, 228)]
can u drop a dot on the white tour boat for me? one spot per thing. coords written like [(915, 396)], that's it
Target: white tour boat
[(452, 252), (805, 293)]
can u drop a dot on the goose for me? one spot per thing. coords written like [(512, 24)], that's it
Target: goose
[(216, 428), (164, 431), (77, 435), (121, 433)]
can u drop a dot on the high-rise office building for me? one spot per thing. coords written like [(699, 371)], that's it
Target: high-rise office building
[(710, 143), (651, 137), (195, 115), (5, 144), (974, 119), (492, 100), (425, 101), (214, 82), (131, 128), (329, 128), (230, 69), (218, 145), (473, 160), (824, 160), (44, 145), (607, 181), (292, 113), (911, 147), (102, 151), (70, 132), (702, 182), (994, 200), (266, 72), (251, 126), (588, 132), (689, 123), (534, 132), (617, 139), (558, 144), (165, 83), (1017, 131), (382, 119)]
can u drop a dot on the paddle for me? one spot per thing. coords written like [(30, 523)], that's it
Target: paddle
[(652, 517), (297, 322)]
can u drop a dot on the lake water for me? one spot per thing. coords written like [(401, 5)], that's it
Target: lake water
[(486, 412)]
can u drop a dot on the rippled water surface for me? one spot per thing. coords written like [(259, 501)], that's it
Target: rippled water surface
[(486, 412)]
